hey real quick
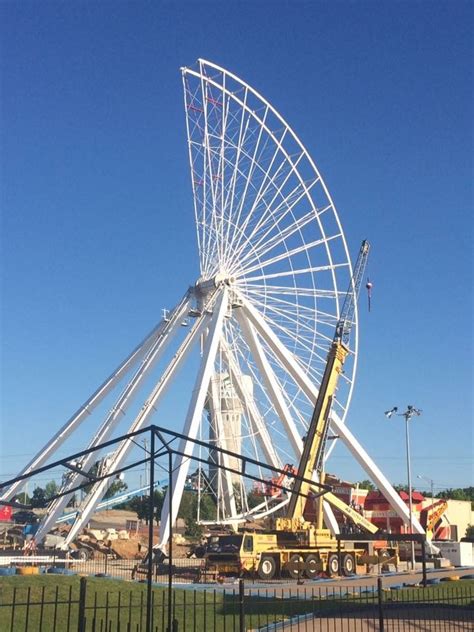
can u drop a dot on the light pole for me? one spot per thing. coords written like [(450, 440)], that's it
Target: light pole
[(410, 412)]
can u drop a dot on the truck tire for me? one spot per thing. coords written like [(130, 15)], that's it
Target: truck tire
[(333, 565), (348, 565), (295, 566), (83, 554), (312, 566), (267, 567)]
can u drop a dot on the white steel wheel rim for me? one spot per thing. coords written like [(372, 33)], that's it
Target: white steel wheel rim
[(266, 223)]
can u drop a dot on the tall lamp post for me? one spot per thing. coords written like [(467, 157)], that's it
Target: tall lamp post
[(410, 412)]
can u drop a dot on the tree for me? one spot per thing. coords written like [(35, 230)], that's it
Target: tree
[(188, 510), (401, 488), (114, 488), (470, 531), (253, 499), (51, 489), (140, 505), (39, 498), (366, 484)]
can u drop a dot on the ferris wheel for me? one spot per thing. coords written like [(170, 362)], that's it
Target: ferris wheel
[(269, 236), (274, 270)]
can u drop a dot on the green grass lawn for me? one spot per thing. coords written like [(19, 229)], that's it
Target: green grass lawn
[(53, 604)]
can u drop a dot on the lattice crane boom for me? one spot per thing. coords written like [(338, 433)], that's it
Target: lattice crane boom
[(313, 450)]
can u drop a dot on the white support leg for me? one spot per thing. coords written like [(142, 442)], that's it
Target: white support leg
[(311, 392), (374, 472), (94, 400), (271, 382), (193, 418), (117, 413), (149, 407)]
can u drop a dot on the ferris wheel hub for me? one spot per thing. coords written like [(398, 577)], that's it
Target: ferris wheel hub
[(206, 285)]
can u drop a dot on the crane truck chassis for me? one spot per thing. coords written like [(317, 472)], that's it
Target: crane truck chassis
[(279, 554)]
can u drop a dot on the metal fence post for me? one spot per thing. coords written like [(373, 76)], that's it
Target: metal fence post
[(241, 606), (81, 619), (151, 507), (423, 555), (380, 603)]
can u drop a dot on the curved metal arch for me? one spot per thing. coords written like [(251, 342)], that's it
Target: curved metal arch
[(234, 77), (278, 143)]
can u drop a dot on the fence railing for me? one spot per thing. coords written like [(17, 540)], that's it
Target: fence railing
[(184, 570), (74, 604)]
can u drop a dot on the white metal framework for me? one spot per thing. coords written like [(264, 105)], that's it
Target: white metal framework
[(274, 270)]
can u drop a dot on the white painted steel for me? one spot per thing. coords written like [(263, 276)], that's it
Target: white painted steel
[(337, 425), (274, 270), (193, 417), (99, 488), (374, 472), (94, 400), (265, 219), (112, 419), (271, 382)]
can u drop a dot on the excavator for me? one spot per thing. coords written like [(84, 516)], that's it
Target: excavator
[(290, 544)]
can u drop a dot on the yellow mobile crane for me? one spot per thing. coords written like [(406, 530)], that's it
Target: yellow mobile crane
[(292, 544)]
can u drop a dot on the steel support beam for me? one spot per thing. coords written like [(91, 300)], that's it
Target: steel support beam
[(228, 496), (90, 404), (311, 392), (149, 407), (114, 416), (271, 382), (193, 417)]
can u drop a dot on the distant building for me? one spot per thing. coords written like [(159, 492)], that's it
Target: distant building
[(452, 524)]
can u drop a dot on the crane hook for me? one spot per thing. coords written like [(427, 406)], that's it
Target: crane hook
[(368, 287)]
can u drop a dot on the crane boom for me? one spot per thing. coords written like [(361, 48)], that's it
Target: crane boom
[(313, 450)]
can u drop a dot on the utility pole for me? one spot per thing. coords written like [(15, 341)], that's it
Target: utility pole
[(410, 412)]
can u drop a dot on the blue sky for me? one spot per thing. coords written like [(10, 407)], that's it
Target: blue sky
[(97, 222)]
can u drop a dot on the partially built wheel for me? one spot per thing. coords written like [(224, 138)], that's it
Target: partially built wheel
[(268, 231)]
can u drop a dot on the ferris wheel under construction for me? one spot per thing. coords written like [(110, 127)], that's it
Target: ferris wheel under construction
[(274, 269)]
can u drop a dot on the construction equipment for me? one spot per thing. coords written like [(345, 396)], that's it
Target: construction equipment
[(292, 544), (273, 487), (430, 516)]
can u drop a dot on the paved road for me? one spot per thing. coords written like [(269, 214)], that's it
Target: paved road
[(358, 581), (395, 622)]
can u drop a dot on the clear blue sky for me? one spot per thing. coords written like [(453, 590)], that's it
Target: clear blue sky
[(97, 220)]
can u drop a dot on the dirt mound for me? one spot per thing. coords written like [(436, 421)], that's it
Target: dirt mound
[(127, 549)]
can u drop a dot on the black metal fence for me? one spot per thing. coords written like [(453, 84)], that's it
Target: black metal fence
[(100, 605)]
